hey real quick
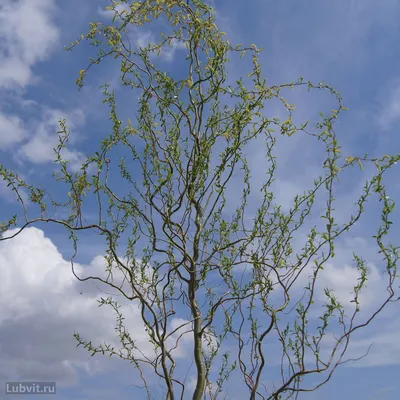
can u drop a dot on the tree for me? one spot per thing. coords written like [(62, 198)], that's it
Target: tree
[(196, 264)]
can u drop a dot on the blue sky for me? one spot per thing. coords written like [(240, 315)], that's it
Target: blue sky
[(352, 45)]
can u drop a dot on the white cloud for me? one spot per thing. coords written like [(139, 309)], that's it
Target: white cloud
[(340, 275), (142, 38), (168, 52), (7, 194), (342, 280), (28, 34), (11, 130), (181, 339), (39, 148), (42, 307), (120, 8)]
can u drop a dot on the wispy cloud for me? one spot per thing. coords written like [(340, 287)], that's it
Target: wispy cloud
[(141, 38), (389, 106), (11, 130), (43, 138)]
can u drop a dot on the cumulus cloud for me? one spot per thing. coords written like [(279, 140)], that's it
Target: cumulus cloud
[(28, 34), (43, 304), (340, 275), (42, 307)]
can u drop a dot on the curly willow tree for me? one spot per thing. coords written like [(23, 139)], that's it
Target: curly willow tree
[(212, 274)]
